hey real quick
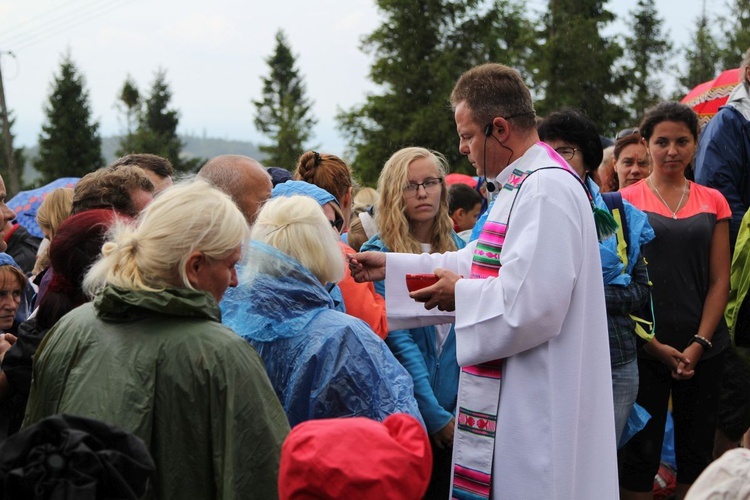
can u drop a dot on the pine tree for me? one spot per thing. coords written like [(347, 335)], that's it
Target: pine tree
[(648, 50), (283, 113), (19, 157), (577, 66), (70, 144), (737, 26), (702, 57), (421, 49), (157, 124), (129, 102)]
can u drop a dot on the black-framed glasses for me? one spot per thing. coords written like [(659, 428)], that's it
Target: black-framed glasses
[(566, 152), (337, 224), (430, 185), (626, 132)]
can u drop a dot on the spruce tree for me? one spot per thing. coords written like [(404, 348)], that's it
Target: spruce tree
[(702, 58), (736, 24), (70, 144), (648, 51), (157, 123), (19, 157), (283, 113), (129, 102), (420, 50), (577, 65)]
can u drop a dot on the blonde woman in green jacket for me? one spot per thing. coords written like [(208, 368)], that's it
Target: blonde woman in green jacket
[(150, 355)]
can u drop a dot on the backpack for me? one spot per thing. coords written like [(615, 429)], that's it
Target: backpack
[(645, 326)]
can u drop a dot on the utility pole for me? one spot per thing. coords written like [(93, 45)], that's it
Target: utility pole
[(13, 184)]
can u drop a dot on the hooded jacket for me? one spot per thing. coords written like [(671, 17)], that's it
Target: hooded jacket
[(435, 375), (723, 158), (322, 363), (161, 365)]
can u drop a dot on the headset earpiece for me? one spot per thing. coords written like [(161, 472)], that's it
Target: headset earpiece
[(488, 130)]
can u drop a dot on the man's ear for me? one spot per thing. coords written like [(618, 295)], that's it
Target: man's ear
[(501, 128)]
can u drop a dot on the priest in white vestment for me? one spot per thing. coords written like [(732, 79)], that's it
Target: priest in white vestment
[(535, 414)]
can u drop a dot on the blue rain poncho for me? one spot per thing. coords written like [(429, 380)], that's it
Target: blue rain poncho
[(322, 363)]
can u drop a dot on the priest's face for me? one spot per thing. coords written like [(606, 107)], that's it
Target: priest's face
[(482, 150)]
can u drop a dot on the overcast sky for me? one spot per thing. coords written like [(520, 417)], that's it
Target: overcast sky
[(213, 53)]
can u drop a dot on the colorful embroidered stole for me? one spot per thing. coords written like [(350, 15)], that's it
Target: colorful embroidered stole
[(479, 385)]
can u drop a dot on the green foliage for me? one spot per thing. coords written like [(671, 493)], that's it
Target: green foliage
[(577, 65), (18, 155), (736, 25), (648, 51), (69, 145), (702, 58), (420, 51), (129, 102), (156, 132), (283, 113)]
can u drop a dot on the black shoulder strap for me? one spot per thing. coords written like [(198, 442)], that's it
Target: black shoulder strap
[(613, 200)]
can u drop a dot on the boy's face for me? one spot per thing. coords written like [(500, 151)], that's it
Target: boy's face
[(466, 219)]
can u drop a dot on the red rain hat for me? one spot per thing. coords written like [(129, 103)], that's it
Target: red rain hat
[(356, 458)]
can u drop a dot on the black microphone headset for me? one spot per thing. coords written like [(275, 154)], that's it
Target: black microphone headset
[(491, 187)]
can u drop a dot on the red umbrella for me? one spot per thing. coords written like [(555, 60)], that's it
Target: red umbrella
[(708, 97)]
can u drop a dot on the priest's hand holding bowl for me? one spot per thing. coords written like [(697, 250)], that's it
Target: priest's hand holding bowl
[(442, 294)]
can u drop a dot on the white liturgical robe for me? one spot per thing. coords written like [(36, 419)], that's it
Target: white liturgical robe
[(545, 316)]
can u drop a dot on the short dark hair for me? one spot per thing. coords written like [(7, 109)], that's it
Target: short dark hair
[(492, 90), (153, 163), (669, 111), (110, 187), (462, 196), (573, 126)]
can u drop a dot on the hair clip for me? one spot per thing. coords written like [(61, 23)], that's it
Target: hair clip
[(316, 158)]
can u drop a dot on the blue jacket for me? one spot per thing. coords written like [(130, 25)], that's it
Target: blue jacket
[(322, 363), (435, 377), (723, 162)]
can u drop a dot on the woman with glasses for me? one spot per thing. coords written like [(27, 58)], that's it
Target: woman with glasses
[(689, 267), (626, 283), (412, 214), (322, 363), (631, 162)]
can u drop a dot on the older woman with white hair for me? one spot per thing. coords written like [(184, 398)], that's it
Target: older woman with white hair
[(322, 363), (150, 354)]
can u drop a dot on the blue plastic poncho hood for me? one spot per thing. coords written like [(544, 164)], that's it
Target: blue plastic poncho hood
[(640, 233), (322, 363)]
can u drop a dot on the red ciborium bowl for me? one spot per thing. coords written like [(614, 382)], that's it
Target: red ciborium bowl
[(416, 282)]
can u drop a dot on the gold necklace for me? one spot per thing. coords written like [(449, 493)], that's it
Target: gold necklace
[(679, 203)]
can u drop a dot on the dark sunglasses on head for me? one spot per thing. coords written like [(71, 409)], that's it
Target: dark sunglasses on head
[(626, 132), (337, 224)]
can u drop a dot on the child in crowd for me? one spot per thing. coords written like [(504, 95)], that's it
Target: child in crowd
[(464, 205)]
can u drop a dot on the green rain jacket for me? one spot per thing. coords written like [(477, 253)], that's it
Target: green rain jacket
[(740, 286), (161, 365)]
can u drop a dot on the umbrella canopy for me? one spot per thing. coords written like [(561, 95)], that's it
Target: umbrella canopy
[(26, 203), (708, 97), (460, 179)]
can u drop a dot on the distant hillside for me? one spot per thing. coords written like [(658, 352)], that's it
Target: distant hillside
[(195, 147)]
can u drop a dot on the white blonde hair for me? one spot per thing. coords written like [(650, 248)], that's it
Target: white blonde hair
[(151, 254), (298, 227)]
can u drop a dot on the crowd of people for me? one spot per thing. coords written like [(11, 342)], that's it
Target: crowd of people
[(257, 329)]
